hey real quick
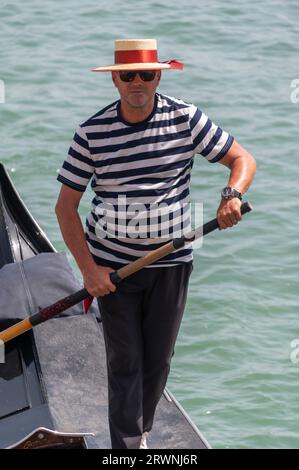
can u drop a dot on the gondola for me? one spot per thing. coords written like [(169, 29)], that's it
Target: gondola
[(53, 383)]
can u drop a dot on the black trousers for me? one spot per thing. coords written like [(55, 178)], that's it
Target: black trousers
[(141, 321)]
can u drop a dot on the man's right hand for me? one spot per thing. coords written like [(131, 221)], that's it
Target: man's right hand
[(97, 280)]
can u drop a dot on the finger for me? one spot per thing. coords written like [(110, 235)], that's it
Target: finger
[(224, 220), (104, 292), (110, 288), (231, 218), (222, 224), (90, 291), (238, 215)]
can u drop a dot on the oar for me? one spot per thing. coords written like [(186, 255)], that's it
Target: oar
[(116, 277)]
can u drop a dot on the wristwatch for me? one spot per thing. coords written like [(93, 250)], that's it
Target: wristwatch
[(230, 193)]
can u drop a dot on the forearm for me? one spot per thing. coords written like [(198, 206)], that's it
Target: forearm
[(242, 171), (74, 237), (242, 168)]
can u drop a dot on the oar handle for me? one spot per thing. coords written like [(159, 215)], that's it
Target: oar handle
[(213, 224)]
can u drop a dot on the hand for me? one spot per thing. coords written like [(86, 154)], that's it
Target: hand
[(97, 280), (229, 213)]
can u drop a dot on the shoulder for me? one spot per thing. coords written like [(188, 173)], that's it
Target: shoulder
[(172, 104), (107, 113)]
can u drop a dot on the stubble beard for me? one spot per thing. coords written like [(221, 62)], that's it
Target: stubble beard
[(137, 103)]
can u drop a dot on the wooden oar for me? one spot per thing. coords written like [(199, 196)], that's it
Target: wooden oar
[(116, 277)]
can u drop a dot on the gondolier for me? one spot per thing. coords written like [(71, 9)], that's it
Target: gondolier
[(139, 152)]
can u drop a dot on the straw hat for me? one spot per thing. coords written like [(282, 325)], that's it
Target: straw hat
[(138, 54)]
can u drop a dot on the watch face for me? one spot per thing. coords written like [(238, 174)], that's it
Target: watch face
[(226, 193), (230, 193)]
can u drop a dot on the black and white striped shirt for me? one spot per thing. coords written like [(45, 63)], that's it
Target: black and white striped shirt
[(144, 165)]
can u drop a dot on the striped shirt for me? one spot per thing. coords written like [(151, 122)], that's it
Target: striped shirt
[(140, 174)]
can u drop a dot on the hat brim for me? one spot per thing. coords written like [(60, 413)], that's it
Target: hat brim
[(137, 66)]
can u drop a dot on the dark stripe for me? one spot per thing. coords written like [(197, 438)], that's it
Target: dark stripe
[(202, 134), (78, 156), (71, 184), (156, 139), (173, 104), (213, 142), (131, 130), (115, 265), (144, 156), (145, 171), (195, 119), (80, 141), (107, 121), (77, 171), (224, 150), (170, 200), (93, 119)]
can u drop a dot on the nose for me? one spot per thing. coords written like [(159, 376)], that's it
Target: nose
[(137, 79)]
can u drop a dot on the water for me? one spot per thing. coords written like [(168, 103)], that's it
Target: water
[(232, 369)]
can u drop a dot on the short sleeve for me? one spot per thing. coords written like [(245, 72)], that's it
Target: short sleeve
[(208, 139), (78, 166)]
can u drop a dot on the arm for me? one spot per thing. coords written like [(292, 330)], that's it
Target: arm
[(96, 278), (242, 169)]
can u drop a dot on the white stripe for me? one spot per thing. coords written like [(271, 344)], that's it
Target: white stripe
[(145, 200)]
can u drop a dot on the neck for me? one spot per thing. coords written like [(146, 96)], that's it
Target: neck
[(136, 114)]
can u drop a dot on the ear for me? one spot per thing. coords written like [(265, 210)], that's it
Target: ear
[(114, 76), (159, 75)]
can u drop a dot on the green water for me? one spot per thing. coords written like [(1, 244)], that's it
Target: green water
[(232, 369)]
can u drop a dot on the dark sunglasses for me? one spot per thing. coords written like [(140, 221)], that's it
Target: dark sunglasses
[(145, 75)]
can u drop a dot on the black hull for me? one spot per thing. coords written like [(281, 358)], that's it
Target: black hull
[(67, 395)]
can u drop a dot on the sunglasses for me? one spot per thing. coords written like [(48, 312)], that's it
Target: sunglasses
[(145, 75)]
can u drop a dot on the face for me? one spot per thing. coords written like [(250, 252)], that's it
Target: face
[(136, 93)]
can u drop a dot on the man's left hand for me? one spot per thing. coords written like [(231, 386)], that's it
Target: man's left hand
[(229, 213)]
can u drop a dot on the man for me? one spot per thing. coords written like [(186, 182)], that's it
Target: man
[(141, 149)]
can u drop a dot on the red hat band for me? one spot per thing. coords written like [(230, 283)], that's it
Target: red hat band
[(133, 57)]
